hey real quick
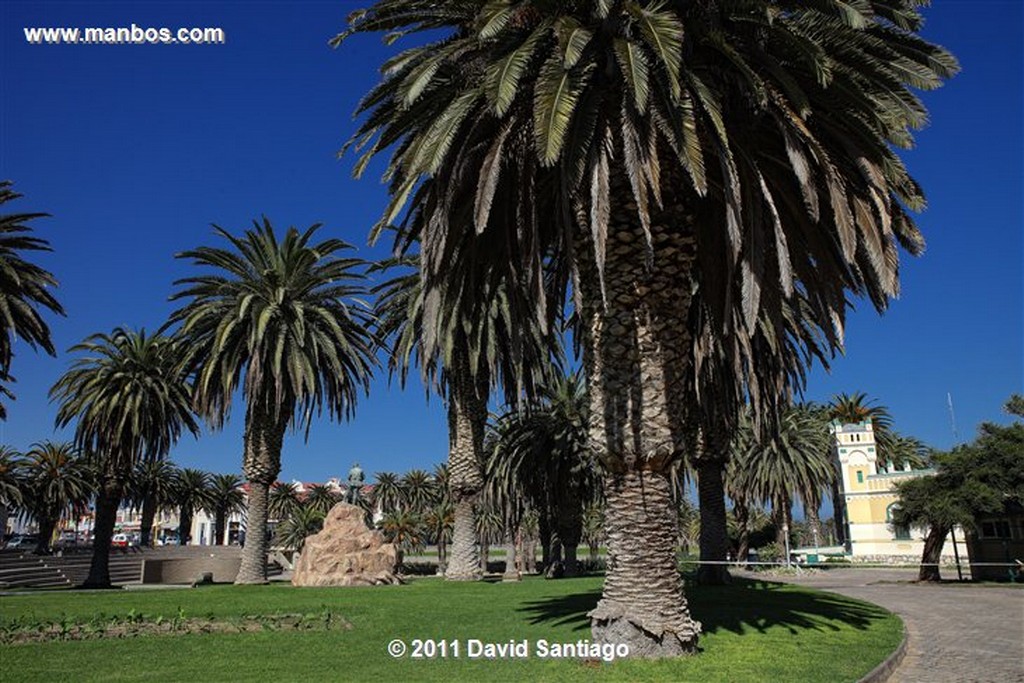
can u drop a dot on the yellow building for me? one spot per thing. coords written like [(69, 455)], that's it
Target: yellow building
[(869, 497)]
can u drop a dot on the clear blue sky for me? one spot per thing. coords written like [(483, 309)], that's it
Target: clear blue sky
[(135, 150)]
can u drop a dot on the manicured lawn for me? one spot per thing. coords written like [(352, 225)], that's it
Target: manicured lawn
[(753, 632)]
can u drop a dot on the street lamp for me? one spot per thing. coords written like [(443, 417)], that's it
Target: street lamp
[(785, 536)]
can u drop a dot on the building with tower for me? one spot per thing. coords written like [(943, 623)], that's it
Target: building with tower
[(869, 496)]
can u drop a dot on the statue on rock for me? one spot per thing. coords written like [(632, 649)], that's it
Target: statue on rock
[(346, 553)]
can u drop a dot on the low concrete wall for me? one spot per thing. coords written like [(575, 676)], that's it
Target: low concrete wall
[(189, 569)]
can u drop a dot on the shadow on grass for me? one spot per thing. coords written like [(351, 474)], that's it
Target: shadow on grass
[(743, 606)]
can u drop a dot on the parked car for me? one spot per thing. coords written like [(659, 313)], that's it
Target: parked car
[(119, 541), (23, 541)]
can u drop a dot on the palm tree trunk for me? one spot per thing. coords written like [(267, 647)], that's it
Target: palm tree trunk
[(714, 528), (4, 516), (838, 511), (642, 604), (544, 531), (813, 518), (636, 344), (742, 512), (569, 519), (107, 500), (932, 554), (467, 415), (184, 525), (511, 557), (262, 464), (146, 523), (485, 556), (46, 527), (221, 521)]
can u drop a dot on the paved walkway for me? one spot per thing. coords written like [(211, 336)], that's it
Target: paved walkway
[(957, 633)]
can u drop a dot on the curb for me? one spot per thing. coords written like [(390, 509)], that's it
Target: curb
[(882, 672)]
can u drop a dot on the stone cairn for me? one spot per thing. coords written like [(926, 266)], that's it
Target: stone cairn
[(346, 553)]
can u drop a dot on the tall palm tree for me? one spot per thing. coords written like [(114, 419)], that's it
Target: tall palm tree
[(24, 289), (544, 449), (57, 479), (131, 399), (192, 492), (463, 348), (633, 148), (282, 318), (151, 487), (11, 484), (226, 498)]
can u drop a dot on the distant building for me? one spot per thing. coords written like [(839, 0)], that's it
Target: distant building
[(869, 498)]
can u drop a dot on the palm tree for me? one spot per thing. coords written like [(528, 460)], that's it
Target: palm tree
[(438, 522), (794, 463), (192, 492), (490, 529), (404, 529), (24, 289), (388, 495), (226, 498), (321, 498), (302, 522), (281, 318), (151, 487), (283, 499), (544, 450), (633, 148), (593, 529), (11, 485), (462, 349), (419, 491), (57, 478), (131, 398)]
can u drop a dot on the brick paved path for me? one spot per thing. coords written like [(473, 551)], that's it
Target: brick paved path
[(957, 633)]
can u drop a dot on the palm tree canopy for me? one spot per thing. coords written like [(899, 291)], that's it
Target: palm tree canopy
[(470, 329), (12, 465), (772, 122), (24, 290), (857, 407), (192, 490), (129, 394), (388, 493), (226, 495), (24, 286), (57, 477), (284, 497), (286, 314), (321, 498), (795, 462), (153, 479), (302, 522)]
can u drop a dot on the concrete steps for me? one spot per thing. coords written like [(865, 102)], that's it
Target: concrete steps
[(19, 569)]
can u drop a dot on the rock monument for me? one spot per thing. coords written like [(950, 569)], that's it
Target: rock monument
[(346, 553)]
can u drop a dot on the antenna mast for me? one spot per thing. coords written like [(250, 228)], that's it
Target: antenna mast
[(952, 418)]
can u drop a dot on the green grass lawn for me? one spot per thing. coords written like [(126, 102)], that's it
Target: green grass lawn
[(752, 632)]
